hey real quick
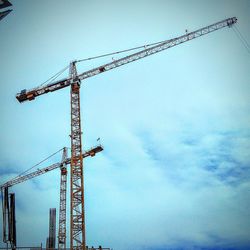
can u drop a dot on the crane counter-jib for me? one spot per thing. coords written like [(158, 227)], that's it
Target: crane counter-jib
[(31, 94)]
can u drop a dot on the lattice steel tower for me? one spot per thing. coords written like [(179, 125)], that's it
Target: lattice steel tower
[(77, 234)]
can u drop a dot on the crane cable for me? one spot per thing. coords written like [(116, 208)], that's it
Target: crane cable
[(238, 33), (96, 57), (120, 51), (241, 38), (52, 78), (36, 164)]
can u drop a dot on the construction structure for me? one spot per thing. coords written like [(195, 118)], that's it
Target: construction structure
[(9, 218), (77, 214)]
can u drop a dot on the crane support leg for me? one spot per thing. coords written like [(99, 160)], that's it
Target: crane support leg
[(77, 226)]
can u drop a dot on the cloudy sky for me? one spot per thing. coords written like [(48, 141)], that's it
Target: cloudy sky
[(175, 170)]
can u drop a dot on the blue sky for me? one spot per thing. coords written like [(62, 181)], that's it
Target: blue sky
[(175, 171)]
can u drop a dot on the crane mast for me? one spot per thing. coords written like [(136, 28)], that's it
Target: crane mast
[(62, 204), (77, 229), (77, 215)]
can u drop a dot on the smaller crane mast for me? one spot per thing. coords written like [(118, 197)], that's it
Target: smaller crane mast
[(62, 204)]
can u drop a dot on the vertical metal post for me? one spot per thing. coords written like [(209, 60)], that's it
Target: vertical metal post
[(77, 222), (62, 209)]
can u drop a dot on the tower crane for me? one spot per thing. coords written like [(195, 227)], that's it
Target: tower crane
[(62, 210), (77, 215)]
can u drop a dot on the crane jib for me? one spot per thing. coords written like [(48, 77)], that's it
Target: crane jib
[(90, 152), (31, 94)]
